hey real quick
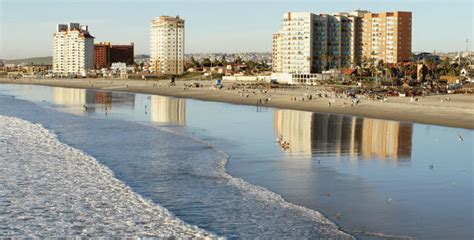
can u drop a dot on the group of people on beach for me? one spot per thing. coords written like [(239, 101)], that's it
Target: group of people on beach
[(285, 145)]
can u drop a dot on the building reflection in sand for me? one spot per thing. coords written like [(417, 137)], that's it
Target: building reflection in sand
[(322, 134), (168, 110), (95, 101)]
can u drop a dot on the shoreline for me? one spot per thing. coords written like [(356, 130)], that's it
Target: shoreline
[(457, 112)]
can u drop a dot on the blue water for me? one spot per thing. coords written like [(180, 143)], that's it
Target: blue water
[(366, 175)]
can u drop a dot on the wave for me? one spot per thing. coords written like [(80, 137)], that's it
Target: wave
[(325, 227), (50, 189)]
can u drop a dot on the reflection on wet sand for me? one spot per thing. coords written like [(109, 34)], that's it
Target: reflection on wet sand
[(314, 133), (102, 98), (94, 100), (68, 96), (168, 110)]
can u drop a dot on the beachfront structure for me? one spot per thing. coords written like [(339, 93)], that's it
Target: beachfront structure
[(73, 50), (106, 53), (311, 43), (167, 45), (387, 36)]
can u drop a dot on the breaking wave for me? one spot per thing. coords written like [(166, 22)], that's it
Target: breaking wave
[(50, 189)]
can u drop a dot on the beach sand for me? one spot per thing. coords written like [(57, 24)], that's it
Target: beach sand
[(457, 112)]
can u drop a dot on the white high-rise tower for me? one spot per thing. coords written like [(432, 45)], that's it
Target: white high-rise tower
[(73, 50)]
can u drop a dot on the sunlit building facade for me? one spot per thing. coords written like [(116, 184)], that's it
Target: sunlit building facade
[(387, 36), (167, 45), (311, 43), (73, 50)]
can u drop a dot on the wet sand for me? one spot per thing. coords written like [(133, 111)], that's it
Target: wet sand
[(457, 112)]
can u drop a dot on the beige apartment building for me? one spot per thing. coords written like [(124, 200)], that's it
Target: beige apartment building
[(311, 43), (387, 36), (167, 45)]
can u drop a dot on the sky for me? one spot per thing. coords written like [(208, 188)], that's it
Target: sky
[(26, 26)]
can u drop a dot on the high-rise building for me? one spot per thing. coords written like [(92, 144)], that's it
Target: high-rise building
[(310, 43), (101, 55), (277, 60), (167, 45), (387, 36), (105, 54), (73, 50), (315, 42)]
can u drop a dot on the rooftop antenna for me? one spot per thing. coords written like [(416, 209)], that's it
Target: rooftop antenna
[(467, 44)]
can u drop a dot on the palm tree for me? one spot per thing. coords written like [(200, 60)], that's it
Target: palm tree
[(325, 58), (446, 65)]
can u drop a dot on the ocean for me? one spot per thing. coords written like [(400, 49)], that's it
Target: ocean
[(196, 168)]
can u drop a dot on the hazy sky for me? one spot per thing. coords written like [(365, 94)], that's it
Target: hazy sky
[(26, 26)]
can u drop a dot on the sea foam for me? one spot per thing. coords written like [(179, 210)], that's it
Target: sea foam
[(49, 189)]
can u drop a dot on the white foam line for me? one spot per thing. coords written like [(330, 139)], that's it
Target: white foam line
[(50, 189), (263, 193)]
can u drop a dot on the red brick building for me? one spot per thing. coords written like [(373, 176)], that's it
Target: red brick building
[(101, 55), (105, 54)]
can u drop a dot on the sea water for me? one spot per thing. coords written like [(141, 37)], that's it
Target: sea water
[(374, 178), (180, 173)]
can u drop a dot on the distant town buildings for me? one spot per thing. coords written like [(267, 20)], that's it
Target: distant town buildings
[(426, 56), (167, 45), (73, 50), (105, 54), (311, 43)]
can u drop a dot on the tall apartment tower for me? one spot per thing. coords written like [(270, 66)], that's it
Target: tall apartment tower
[(73, 50), (387, 36), (167, 45), (296, 42), (310, 43), (314, 42)]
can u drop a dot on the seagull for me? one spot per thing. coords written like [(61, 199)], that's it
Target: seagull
[(319, 161), (389, 200), (431, 166), (460, 138), (328, 194), (338, 215)]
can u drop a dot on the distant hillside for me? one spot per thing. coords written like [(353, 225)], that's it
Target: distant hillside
[(37, 60), (142, 56)]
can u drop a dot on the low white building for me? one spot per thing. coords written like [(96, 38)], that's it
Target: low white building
[(296, 78), (73, 50), (239, 78)]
